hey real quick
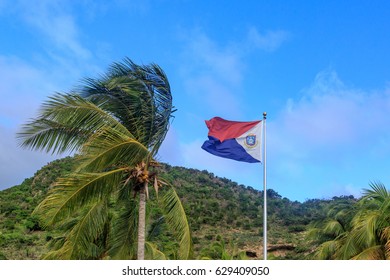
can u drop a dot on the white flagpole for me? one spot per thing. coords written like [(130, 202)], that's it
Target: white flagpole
[(265, 187)]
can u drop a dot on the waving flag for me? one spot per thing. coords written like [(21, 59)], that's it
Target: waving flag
[(234, 140)]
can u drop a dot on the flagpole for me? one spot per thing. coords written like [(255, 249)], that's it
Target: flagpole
[(265, 187)]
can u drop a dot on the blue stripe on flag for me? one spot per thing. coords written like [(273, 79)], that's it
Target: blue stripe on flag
[(227, 149)]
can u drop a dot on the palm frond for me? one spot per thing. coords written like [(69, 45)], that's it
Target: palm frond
[(75, 191), (176, 220), (87, 230), (327, 250), (349, 247), (385, 237), (47, 135), (365, 227), (65, 123), (119, 96), (81, 235), (363, 235), (63, 253), (315, 234), (333, 228), (371, 253), (137, 95), (110, 147), (54, 245), (123, 244), (378, 192), (152, 252)]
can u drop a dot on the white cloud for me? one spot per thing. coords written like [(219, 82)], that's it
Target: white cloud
[(22, 87), (222, 61), (331, 115), (169, 150), (26, 82), (211, 74), (269, 40), (216, 95), (53, 23), (333, 129), (17, 163), (350, 189), (51, 19)]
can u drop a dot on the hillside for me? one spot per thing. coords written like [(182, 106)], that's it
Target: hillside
[(220, 213)]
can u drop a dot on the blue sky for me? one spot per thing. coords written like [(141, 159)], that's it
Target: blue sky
[(320, 69)]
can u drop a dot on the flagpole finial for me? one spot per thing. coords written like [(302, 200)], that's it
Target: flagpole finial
[(265, 115)]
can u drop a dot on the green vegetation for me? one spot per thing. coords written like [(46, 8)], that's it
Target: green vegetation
[(225, 218), (21, 234)]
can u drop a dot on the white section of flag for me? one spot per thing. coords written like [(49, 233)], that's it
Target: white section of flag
[(254, 151)]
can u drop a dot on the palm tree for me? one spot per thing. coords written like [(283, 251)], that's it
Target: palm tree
[(330, 233), (219, 250), (115, 125), (364, 235), (370, 234)]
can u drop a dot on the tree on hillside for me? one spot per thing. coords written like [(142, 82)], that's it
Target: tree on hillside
[(115, 124)]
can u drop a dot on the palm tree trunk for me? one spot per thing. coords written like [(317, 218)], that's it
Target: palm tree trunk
[(141, 223)]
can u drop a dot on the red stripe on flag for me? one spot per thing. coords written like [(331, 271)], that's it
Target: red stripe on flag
[(223, 129)]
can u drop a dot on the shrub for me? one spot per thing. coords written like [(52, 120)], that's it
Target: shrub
[(32, 223), (296, 228)]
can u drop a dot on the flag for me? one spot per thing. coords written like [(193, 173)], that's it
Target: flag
[(234, 140)]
